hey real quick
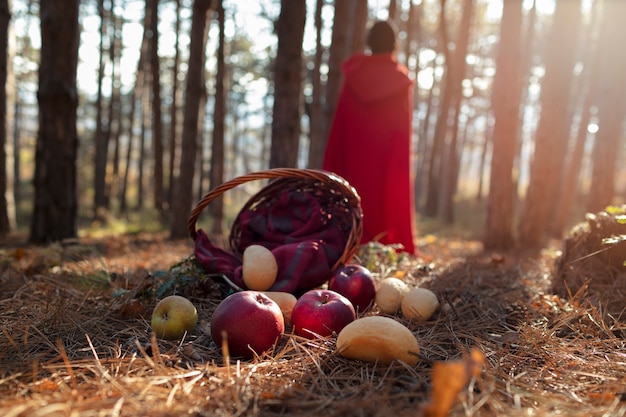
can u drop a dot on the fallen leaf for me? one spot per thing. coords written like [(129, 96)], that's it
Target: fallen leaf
[(19, 254), (448, 380)]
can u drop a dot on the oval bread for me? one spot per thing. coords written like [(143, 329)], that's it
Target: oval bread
[(378, 339), (259, 268), (285, 301), (389, 295), (419, 304)]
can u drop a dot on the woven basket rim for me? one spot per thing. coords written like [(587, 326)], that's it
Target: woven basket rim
[(321, 181)]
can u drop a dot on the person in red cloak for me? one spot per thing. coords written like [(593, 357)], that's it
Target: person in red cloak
[(370, 139)]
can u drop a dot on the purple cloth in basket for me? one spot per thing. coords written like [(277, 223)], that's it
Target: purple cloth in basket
[(305, 240)]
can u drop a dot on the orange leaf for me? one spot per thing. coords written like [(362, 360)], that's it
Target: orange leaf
[(399, 274), (448, 379), (19, 254)]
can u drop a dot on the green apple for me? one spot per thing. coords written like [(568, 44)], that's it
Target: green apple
[(174, 316)]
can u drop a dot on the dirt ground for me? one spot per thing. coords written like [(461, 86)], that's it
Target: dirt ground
[(510, 339)]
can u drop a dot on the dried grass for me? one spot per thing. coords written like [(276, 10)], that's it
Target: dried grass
[(70, 347)]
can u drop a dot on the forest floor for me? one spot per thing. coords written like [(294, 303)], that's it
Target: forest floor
[(75, 340)]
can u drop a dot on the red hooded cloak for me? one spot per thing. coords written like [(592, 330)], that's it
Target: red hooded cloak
[(370, 146)]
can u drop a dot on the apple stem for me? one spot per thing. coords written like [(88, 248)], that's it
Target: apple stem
[(326, 297)]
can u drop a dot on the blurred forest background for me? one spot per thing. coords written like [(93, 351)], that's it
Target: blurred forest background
[(124, 113)]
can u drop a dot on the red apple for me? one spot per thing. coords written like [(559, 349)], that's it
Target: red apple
[(356, 283), (321, 313), (251, 321), (173, 316)]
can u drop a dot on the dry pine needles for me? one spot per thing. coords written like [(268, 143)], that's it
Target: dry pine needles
[(502, 344)]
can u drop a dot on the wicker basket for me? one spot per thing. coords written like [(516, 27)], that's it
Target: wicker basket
[(335, 194)]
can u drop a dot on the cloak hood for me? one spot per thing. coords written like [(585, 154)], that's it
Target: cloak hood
[(374, 77)]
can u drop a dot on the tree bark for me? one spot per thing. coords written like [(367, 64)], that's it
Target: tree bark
[(449, 171), (316, 120), (552, 136), (611, 107), (100, 139), (507, 93), (194, 89), (142, 160), (338, 52), (216, 173), (115, 104), (393, 6), (25, 47), (157, 122), (359, 27), (7, 204), (452, 91), (174, 111), (55, 203), (136, 94), (424, 145), (288, 84), (412, 30), (588, 87)]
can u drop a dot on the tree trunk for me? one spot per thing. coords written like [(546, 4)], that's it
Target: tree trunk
[(527, 62), (55, 203), (572, 175), (338, 52), (100, 139), (588, 87), (216, 173), (174, 130), (266, 132), (424, 144), (359, 27), (142, 159), (288, 84), (7, 204), (433, 182), (455, 70), (135, 95), (412, 29), (316, 120), (552, 136), (157, 122), (611, 106), (393, 6), (415, 35), (507, 93), (115, 104), (194, 89), (203, 143), (449, 171), (484, 151), (25, 47)]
